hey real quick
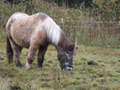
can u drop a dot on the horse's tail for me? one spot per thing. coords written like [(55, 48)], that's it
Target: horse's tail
[(9, 51)]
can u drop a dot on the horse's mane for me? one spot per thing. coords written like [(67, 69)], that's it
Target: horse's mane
[(53, 30)]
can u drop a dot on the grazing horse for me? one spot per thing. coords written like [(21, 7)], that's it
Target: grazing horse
[(36, 32)]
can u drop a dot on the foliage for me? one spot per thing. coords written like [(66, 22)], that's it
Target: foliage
[(86, 25), (15, 1), (109, 10), (106, 9), (74, 3)]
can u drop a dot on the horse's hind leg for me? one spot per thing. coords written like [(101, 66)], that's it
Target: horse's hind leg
[(9, 51), (17, 51), (41, 54)]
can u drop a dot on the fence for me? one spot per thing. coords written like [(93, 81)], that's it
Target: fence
[(100, 33), (79, 26)]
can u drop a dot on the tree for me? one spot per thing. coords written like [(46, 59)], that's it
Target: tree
[(75, 3)]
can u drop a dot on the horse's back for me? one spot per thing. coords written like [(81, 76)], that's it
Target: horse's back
[(19, 29), (15, 16), (23, 28), (40, 16)]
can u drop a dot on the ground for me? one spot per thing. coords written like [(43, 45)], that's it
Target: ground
[(95, 68)]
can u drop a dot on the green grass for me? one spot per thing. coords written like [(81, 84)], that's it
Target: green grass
[(104, 75)]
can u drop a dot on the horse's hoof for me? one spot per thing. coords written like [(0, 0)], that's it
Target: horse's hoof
[(39, 66), (19, 65), (27, 67)]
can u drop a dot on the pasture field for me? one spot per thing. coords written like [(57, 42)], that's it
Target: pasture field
[(95, 68)]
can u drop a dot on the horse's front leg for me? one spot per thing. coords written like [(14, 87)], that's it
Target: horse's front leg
[(31, 54), (41, 54)]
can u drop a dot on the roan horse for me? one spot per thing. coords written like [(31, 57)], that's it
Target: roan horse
[(36, 32)]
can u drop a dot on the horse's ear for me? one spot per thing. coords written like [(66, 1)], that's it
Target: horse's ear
[(71, 47)]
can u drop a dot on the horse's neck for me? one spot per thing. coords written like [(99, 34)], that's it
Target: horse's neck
[(64, 42)]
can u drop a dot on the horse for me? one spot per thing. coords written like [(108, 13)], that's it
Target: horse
[(36, 32)]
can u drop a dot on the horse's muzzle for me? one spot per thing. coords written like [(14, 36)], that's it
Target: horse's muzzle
[(67, 69)]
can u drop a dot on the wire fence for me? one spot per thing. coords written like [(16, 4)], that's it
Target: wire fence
[(100, 33), (83, 29)]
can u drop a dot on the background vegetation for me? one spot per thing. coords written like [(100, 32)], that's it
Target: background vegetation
[(87, 22)]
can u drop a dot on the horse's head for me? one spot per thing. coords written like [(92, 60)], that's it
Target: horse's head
[(66, 58)]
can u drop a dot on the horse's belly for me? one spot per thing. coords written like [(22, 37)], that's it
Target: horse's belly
[(22, 41)]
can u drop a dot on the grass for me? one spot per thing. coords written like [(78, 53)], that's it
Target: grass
[(103, 75)]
